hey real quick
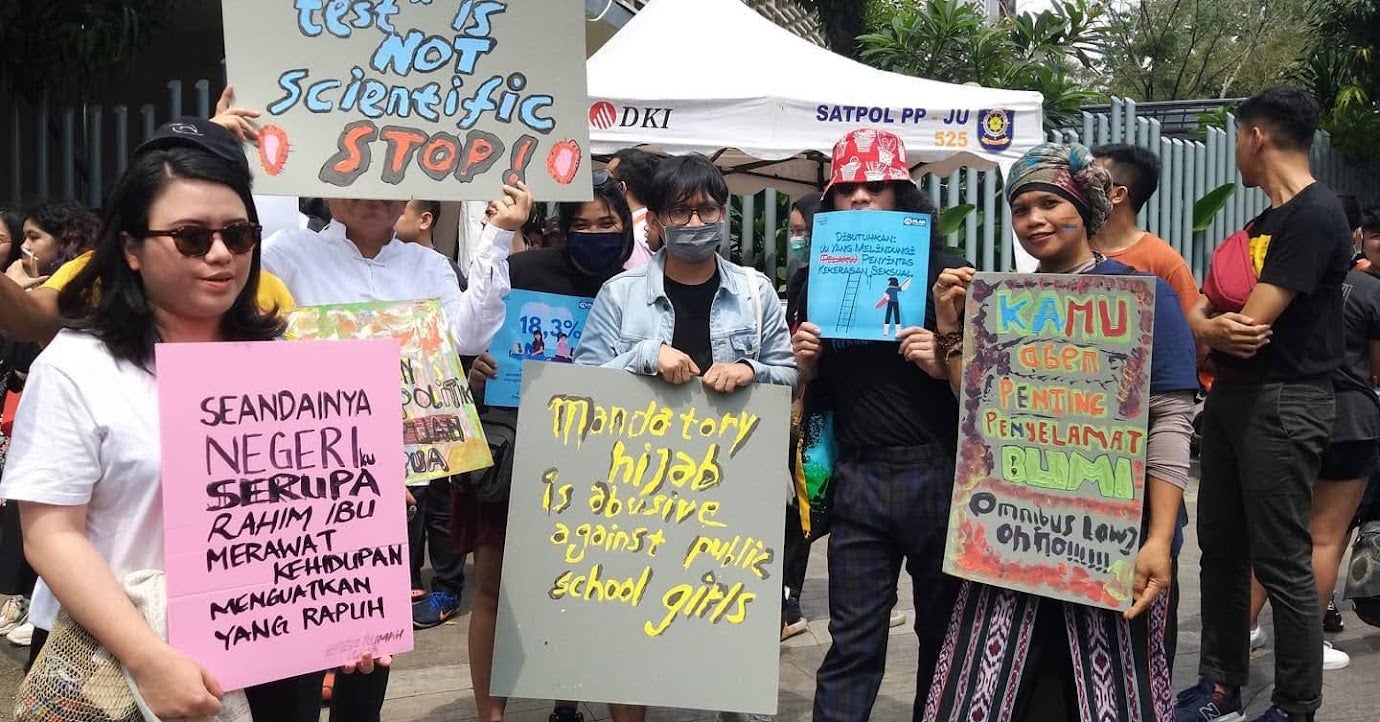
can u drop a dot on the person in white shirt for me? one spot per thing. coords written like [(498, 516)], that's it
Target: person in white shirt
[(357, 257), (177, 260)]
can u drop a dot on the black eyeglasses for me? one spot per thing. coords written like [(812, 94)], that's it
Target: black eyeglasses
[(873, 187), (680, 215), (196, 241)]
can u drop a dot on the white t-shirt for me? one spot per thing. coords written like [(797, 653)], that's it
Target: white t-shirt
[(87, 433), (325, 267)]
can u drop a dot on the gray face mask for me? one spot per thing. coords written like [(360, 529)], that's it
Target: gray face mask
[(693, 244)]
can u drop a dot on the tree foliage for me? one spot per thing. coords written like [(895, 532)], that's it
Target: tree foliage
[(73, 46), (953, 41), (1341, 68), (1190, 49), (843, 21)]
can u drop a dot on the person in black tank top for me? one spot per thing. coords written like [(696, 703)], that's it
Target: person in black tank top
[(895, 420)]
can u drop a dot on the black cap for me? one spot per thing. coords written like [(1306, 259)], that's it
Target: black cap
[(192, 132)]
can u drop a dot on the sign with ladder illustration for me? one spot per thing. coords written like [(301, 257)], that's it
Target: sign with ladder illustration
[(863, 267)]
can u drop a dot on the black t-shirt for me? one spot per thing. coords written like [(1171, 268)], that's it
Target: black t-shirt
[(691, 306), (1358, 412), (1309, 252), (882, 400)]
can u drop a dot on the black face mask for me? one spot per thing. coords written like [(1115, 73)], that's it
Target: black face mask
[(596, 253)]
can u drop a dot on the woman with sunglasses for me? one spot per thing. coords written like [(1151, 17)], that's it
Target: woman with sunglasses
[(176, 261), (1059, 660)]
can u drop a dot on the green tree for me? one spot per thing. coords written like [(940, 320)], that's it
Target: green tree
[(1188, 49), (1341, 68), (843, 21), (1053, 52), (70, 47)]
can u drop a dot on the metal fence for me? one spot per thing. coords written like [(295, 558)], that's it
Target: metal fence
[(74, 153), (1191, 169)]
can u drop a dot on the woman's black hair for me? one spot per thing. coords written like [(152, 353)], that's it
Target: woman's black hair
[(909, 198), (681, 177), (14, 224), (107, 299), (610, 194), (71, 224)]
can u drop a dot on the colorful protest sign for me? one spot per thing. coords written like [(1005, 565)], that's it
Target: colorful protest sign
[(538, 327), (644, 528), (396, 100), (869, 273), (441, 430), (284, 535), (1050, 479)]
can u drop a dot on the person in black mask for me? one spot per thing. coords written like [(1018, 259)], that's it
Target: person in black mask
[(599, 240)]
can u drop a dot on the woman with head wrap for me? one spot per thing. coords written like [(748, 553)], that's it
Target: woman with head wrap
[(1016, 656)]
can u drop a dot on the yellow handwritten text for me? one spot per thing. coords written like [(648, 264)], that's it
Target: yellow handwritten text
[(626, 469), (743, 553), (575, 418), (694, 601), (669, 508), (594, 588), (610, 539)]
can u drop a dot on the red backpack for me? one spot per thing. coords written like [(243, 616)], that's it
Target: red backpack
[(1231, 276)]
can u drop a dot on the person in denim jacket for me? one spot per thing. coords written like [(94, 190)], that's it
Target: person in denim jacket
[(689, 313)]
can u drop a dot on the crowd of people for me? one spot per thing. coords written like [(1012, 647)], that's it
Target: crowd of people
[(1284, 356)]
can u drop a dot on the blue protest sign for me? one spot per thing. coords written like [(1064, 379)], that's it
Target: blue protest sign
[(869, 273), (537, 327)]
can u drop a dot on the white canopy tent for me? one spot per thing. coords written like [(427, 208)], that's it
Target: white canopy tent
[(714, 77)]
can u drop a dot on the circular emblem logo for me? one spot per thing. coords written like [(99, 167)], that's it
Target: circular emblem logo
[(996, 123), (602, 115)]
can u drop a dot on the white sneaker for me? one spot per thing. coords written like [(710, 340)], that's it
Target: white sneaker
[(1259, 639), (21, 636), (14, 613), (1333, 658), (897, 619)]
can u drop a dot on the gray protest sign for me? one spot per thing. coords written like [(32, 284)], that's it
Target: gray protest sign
[(400, 99), (643, 557)]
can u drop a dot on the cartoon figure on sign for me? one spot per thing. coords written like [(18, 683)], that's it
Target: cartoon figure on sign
[(537, 349), (891, 298), (563, 348)]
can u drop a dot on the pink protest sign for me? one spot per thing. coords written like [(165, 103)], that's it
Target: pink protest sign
[(285, 537)]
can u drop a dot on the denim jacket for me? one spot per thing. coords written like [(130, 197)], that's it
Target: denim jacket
[(632, 317)]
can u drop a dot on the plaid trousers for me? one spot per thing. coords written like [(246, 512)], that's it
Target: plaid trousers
[(890, 505)]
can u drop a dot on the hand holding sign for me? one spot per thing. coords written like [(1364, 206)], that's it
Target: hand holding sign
[(950, 296), (726, 378), (674, 366), (239, 121), (806, 347), (513, 209)]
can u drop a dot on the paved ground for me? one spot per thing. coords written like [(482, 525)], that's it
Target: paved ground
[(433, 683)]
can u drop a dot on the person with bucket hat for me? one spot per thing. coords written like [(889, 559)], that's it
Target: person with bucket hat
[(895, 421)]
